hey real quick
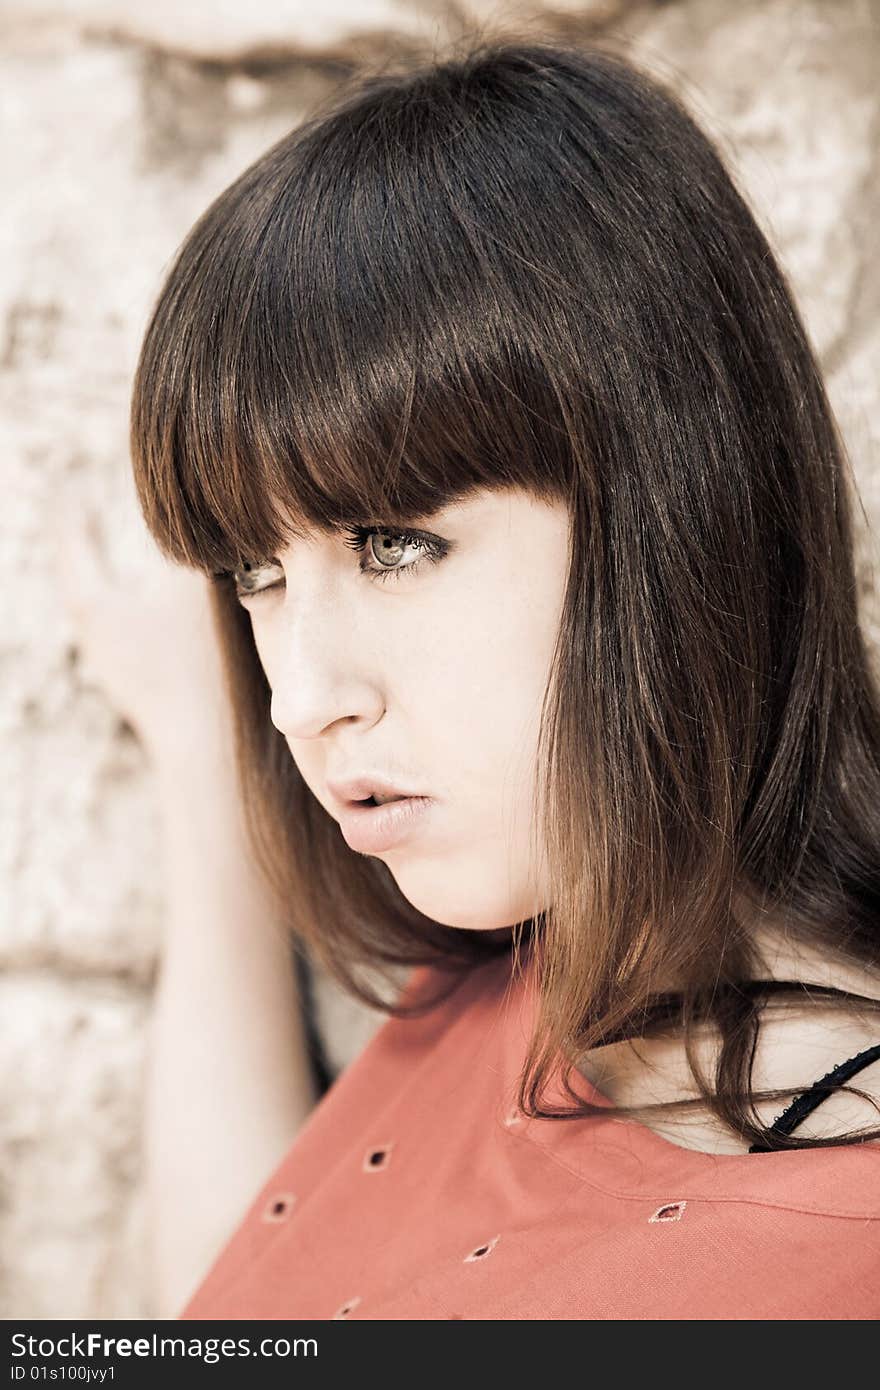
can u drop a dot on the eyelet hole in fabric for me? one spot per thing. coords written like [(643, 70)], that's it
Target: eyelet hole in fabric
[(670, 1211), (482, 1251), (346, 1309), (377, 1158), (279, 1207)]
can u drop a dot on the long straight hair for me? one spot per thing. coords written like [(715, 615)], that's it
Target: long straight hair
[(526, 266)]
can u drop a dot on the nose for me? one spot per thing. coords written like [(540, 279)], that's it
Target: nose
[(319, 672), (312, 699)]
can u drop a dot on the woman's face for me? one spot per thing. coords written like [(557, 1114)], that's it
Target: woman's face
[(432, 677)]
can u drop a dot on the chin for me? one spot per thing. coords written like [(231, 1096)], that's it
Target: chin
[(452, 900)]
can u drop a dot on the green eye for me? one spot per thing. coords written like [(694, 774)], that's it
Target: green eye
[(250, 578), (392, 544)]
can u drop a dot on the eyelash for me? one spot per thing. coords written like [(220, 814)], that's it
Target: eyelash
[(434, 549)]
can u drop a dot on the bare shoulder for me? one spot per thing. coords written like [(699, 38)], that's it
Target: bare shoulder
[(843, 1110)]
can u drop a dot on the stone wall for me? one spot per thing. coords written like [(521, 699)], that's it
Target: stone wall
[(120, 123)]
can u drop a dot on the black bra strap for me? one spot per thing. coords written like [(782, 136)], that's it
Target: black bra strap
[(805, 1104)]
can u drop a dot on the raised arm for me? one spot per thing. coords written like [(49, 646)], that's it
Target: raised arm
[(228, 1083), (228, 1080)]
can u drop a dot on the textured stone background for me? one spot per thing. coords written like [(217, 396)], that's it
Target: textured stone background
[(120, 123)]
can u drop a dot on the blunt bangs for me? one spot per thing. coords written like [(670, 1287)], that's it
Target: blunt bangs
[(342, 338)]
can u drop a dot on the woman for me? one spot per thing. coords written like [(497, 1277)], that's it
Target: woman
[(485, 405)]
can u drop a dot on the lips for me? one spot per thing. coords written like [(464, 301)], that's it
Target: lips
[(372, 829), (359, 789)]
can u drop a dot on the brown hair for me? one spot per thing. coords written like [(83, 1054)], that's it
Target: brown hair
[(525, 266)]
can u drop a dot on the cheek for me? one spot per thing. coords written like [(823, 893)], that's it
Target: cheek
[(479, 689), (477, 711)]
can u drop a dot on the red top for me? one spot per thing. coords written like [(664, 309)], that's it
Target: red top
[(414, 1192)]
